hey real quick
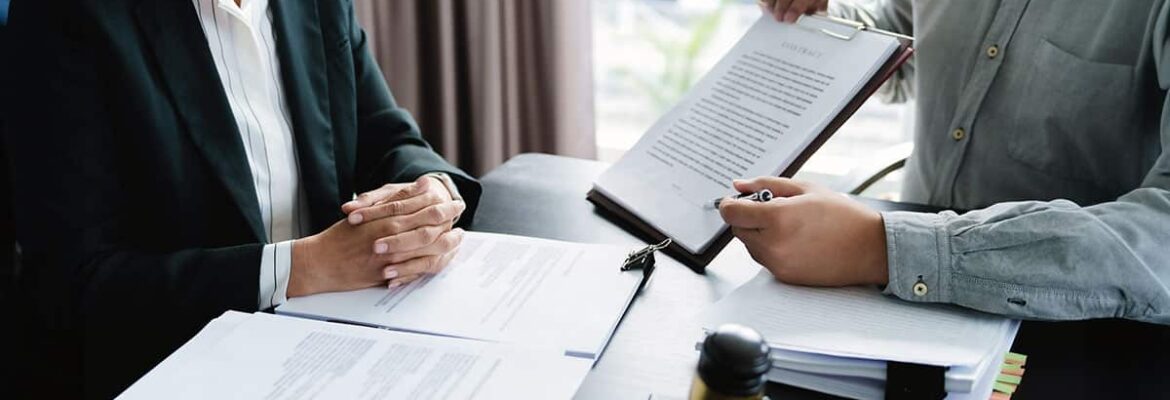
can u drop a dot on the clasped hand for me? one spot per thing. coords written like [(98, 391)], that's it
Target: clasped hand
[(391, 236)]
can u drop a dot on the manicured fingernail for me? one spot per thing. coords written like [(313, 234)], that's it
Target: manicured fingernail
[(381, 248), (394, 284), (390, 273), (791, 16), (355, 218)]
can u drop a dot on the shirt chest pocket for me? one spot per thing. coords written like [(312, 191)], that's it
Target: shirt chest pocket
[(1072, 116)]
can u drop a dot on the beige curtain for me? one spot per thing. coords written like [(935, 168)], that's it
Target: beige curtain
[(488, 79)]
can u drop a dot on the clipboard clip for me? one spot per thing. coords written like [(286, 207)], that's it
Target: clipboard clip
[(643, 259), (840, 28)]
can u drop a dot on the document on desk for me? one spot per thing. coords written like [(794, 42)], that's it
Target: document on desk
[(500, 288), (264, 356), (754, 114), (859, 322), (840, 340)]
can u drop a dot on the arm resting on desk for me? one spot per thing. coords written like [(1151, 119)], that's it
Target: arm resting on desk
[(390, 148), (1044, 260), (1047, 260)]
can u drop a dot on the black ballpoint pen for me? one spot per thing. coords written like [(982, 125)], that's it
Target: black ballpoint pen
[(761, 196)]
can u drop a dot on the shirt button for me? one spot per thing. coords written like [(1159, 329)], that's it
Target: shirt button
[(958, 134), (992, 51), (920, 289)]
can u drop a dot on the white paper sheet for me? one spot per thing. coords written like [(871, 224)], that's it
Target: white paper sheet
[(751, 115), (860, 322), (963, 381), (263, 356), (501, 288), (871, 388)]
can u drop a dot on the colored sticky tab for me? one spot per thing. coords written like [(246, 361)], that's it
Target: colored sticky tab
[(1005, 387), (1015, 358), (1000, 396), (1012, 370), (1005, 378)]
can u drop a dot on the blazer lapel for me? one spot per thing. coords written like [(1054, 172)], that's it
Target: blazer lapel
[(185, 64), (300, 47)]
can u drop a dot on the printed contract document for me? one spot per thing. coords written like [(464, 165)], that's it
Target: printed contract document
[(500, 288), (839, 340), (263, 356), (510, 318), (752, 115)]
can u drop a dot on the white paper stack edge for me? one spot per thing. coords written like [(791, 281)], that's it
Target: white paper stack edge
[(838, 341)]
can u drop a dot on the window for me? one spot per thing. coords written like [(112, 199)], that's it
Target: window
[(647, 54)]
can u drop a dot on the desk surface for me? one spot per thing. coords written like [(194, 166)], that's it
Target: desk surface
[(652, 351)]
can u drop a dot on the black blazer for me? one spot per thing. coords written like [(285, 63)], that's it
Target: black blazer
[(136, 210), (6, 235), (7, 269)]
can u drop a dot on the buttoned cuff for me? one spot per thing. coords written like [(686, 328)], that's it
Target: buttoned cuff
[(918, 256), (275, 264)]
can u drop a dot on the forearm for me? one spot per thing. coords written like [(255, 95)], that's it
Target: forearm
[(1042, 260), (390, 148), (132, 308), (193, 285)]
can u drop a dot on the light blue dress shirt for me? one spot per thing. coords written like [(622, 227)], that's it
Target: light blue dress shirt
[(1049, 119), (3, 12)]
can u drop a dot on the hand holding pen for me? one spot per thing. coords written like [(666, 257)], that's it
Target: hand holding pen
[(808, 234), (762, 195)]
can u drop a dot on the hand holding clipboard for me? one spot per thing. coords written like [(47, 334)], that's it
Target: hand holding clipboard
[(790, 10), (763, 110)]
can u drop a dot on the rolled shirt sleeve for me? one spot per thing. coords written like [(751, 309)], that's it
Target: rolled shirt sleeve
[(1052, 260), (917, 252), (1039, 260)]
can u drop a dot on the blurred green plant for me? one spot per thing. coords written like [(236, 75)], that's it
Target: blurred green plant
[(679, 56)]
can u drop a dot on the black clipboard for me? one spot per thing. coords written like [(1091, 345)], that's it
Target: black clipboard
[(698, 262)]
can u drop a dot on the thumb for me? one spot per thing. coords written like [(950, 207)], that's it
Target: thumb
[(780, 187)]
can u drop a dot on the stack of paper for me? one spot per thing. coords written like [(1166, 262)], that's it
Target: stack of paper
[(264, 356), (500, 288), (838, 340), (511, 317)]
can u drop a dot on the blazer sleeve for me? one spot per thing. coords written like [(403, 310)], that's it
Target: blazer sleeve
[(390, 146), (128, 307)]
